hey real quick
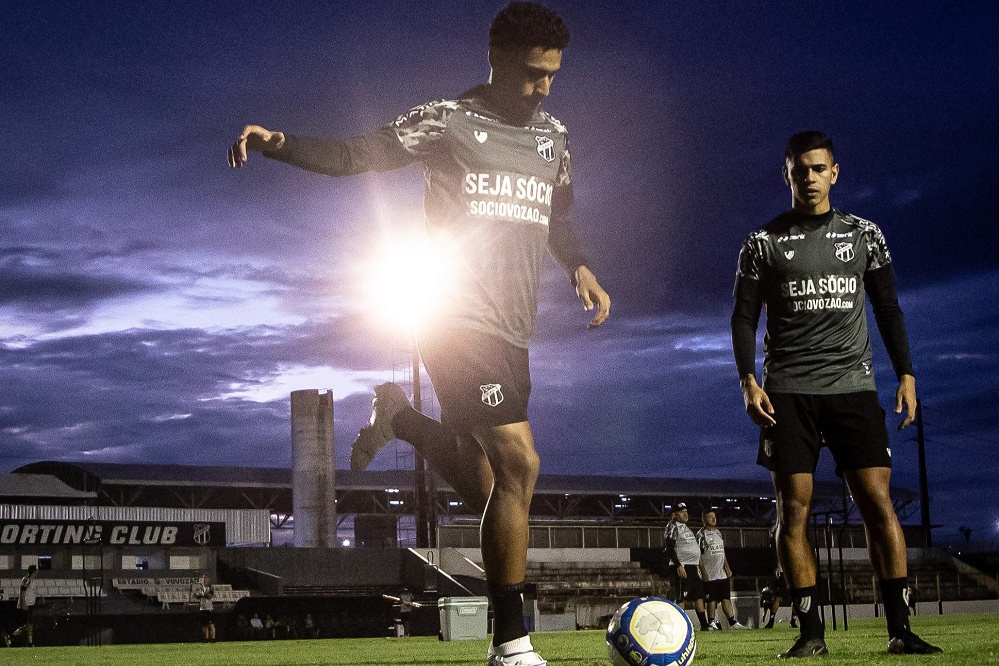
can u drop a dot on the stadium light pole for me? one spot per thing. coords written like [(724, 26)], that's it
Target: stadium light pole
[(419, 464), (924, 491)]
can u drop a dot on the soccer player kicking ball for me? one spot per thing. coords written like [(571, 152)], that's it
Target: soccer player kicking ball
[(498, 193), (812, 267)]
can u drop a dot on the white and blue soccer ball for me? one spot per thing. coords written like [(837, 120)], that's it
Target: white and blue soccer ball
[(651, 632)]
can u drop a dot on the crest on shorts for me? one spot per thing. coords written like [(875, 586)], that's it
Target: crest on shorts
[(789, 254), (768, 448), (202, 533), (492, 394), (844, 251), (546, 148), (480, 136)]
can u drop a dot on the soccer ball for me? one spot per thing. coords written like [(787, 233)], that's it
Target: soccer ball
[(651, 632)]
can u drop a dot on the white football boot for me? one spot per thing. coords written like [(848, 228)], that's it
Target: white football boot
[(512, 656), (388, 401)]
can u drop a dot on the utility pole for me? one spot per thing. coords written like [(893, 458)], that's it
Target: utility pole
[(924, 492), (419, 466)]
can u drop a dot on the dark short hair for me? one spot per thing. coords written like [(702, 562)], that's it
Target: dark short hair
[(802, 142), (528, 24), (32, 568)]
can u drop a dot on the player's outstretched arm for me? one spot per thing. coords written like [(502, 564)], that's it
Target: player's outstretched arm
[(253, 138), (593, 296), (905, 397), (757, 402)]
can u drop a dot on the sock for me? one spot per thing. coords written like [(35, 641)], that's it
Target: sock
[(806, 604), (425, 434), (508, 612), (896, 609), (703, 617), (732, 621)]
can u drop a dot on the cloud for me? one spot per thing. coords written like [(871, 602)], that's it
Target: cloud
[(40, 280)]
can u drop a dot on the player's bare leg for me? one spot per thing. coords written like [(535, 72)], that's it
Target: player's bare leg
[(505, 533), (459, 460), (886, 544), (794, 501), (514, 463), (885, 540)]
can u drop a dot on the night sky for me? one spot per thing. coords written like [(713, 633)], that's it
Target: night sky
[(157, 307)]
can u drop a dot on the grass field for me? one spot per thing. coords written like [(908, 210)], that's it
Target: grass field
[(966, 639)]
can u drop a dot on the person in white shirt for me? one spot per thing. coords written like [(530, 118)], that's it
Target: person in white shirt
[(715, 572), (204, 592)]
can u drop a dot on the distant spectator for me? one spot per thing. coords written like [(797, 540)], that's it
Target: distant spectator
[(26, 607), (256, 627), (911, 596), (270, 630), (280, 628), (204, 592), (242, 630), (311, 630)]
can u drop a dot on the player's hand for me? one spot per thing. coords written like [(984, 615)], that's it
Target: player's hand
[(256, 138), (592, 294), (905, 396), (757, 403), (681, 571)]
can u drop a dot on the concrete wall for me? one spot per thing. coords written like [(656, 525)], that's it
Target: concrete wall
[(342, 567), (562, 554)]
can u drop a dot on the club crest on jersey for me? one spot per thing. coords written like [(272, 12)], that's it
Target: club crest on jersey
[(789, 254), (546, 148), (844, 251), (480, 136), (492, 394)]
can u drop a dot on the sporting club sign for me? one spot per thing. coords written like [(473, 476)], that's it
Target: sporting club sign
[(111, 533)]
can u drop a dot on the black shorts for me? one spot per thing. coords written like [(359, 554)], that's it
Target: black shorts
[(852, 425), (717, 590), (691, 587), (207, 617), (481, 380)]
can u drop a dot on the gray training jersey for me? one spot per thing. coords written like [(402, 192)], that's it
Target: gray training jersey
[(684, 542), (811, 274), (489, 189), (712, 553)]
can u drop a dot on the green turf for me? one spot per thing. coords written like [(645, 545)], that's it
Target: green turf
[(966, 639)]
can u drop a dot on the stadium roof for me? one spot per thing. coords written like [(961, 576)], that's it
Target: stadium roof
[(39, 487), (556, 495)]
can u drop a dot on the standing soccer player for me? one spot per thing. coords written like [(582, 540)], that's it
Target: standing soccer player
[(684, 553), (715, 572), (812, 267), (498, 193)]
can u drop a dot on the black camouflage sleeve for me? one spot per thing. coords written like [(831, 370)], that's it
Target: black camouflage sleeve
[(747, 308), (409, 138)]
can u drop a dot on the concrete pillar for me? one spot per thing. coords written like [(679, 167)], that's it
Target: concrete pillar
[(313, 487)]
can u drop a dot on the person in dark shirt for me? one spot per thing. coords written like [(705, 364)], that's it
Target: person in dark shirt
[(498, 193), (812, 268)]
